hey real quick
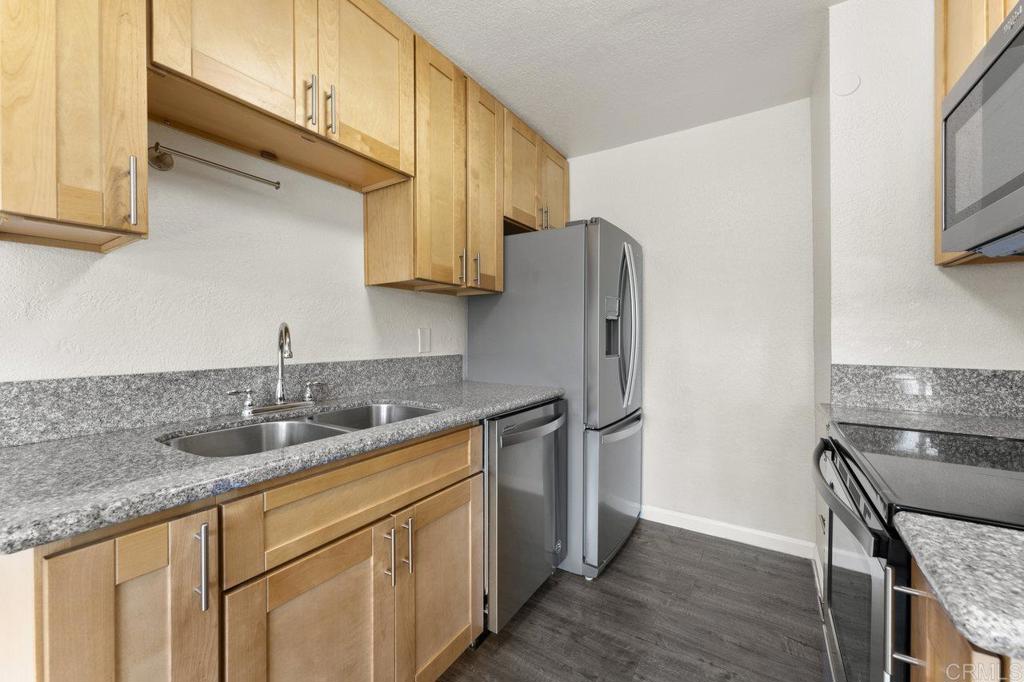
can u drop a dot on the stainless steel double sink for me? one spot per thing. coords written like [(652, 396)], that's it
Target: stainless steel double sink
[(254, 438)]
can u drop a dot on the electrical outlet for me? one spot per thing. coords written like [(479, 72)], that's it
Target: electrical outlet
[(423, 338)]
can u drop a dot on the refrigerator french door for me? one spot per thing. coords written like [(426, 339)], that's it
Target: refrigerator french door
[(571, 316), (612, 465)]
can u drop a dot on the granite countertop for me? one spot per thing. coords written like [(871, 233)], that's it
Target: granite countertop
[(996, 427), (54, 490), (977, 573)]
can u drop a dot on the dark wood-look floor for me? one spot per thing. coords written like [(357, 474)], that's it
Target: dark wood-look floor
[(674, 606)]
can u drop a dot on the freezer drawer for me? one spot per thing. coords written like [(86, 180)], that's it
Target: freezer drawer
[(612, 465), (526, 490)]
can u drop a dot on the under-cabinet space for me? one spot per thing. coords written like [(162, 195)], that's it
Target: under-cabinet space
[(248, 74), (141, 606), (73, 130)]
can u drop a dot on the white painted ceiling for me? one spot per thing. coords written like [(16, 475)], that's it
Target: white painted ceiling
[(594, 74)]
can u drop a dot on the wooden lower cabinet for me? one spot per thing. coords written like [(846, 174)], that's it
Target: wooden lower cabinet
[(327, 616), (399, 600), (439, 597), (946, 654), (126, 609)]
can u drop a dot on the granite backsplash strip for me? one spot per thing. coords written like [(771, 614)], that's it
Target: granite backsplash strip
[(51, 409), (974, 392)]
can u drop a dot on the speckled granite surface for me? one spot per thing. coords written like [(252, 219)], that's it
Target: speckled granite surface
[(977, 573), (56, 489), (34, 411), (977, 392), (997, 427)]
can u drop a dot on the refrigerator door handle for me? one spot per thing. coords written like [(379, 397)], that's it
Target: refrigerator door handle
[(624, 433), (634, 331)]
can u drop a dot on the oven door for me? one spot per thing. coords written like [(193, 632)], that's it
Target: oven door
[(860, 628)]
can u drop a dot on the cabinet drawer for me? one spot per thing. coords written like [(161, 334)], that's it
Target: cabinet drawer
[(266, 530)]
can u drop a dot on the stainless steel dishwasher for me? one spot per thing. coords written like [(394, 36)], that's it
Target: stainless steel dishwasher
[(526, 505)]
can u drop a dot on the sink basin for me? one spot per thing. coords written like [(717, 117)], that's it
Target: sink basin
[(247, 440), (368, 416)]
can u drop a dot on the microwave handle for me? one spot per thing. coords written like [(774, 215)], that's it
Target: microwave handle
[(872, 543)]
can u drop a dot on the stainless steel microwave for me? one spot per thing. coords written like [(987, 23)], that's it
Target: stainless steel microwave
[(983, 148)]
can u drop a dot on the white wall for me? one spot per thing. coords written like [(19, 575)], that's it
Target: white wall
[(890, 304), (821, 201), (227, 260), (723, 212)]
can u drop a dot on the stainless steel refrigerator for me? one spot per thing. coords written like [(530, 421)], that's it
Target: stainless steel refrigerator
[(570, 316)]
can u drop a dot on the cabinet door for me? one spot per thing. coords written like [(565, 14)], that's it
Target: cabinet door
[(554, 187), (522, 150), (127, 609), (366, 80), (328, 616), (73, 100), (935, 640), (485, 153), (440, 167), (439, 600), (264, 52)]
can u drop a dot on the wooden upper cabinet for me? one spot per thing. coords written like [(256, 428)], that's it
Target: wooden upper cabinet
[(553, 172), (485, 160), (127, 609), (263, 52), (366, 68), (522, 184), (72, 118), (439, 597), (440, 184), (327, 616)]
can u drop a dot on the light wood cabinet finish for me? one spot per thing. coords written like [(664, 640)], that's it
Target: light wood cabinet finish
[(935, 640), (522, 184), (440, 182), (485, 161), (262, 52), (367, 57), (553, 173), (242, 73), (266, 530), (72, 114), (329, 615), (439, 597), (962, 27), (126, 608)]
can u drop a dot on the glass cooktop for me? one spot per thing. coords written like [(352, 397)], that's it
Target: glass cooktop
[(971, 477)]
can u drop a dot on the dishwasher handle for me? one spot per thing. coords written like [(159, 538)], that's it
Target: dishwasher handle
[(515, 437)]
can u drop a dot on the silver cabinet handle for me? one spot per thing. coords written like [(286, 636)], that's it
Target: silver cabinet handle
[(332, 98), (476, 259), (547, 220), (462, 266), (890, 614), (313, 89), (540, 217), (133, 190), (204, 567), (408, 526), (390, 537)]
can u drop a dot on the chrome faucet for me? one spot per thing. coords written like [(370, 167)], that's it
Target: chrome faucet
[(284, 350)]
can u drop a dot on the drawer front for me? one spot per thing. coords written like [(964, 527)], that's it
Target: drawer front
[(266, 530)]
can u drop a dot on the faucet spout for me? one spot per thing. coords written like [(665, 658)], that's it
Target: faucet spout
[(284, 350)]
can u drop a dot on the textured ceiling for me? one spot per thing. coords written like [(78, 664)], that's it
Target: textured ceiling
[(592, 74)]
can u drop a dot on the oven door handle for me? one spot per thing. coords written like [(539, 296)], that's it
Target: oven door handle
[(872, 542)]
